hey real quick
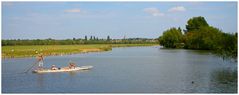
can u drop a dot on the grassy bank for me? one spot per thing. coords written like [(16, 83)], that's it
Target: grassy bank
[(47, 50)]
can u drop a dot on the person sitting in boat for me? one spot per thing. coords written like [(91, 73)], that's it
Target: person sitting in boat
[(72, 65), (40, 61), (53, 67)]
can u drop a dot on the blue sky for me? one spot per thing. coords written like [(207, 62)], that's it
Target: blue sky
[(62, 20)]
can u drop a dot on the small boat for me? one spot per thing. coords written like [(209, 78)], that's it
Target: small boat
[(64, 69)]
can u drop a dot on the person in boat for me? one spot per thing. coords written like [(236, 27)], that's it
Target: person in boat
[(72, 65), (40, 61), (53, 67)]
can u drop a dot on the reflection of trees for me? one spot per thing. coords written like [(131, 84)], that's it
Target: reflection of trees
[(224, 81), (226, 77)]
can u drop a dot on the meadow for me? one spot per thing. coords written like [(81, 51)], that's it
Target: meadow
[(48, 50)]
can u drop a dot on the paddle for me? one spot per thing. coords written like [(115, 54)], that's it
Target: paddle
[(31, 67)]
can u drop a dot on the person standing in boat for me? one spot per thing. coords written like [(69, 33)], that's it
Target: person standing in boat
[(40, 61)]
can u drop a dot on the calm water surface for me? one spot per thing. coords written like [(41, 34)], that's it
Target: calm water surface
[(126, 70)]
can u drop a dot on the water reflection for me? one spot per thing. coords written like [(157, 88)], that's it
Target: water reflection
[(40, 81), (72, 74), (224, 81)]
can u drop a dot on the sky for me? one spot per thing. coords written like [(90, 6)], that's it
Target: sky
[(67, 20)]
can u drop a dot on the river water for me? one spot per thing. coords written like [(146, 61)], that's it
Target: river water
[(126, 70)]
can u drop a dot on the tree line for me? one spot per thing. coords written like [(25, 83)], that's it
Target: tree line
[(78, 41), (199, 35)]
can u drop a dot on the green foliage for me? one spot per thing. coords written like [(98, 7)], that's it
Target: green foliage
[(205, 38), (209, 38), (227, 46), (171, 38), (74, 41), (200, 36), (196, 23)]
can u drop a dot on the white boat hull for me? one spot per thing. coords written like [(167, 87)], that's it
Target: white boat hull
[(65, 69)]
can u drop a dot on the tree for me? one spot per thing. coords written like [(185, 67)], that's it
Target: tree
[(91, 37), (108, 38), (196, 23), (171, 38), (205, 38), (85, 38), (179, 29), (227, 46), (201, 36)]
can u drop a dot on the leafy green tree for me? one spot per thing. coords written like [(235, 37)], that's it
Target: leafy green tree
[(171, 38), (196, 23), (227, 46), (199, 35), (205, 38)]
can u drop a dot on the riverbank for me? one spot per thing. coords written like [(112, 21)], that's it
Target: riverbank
[(51, 50)]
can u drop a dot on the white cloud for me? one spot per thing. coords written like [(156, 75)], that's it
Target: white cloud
[(153, 11), (72, 11), (177, 9)]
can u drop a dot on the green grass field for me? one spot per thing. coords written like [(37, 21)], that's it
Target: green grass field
[(47, 50)]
